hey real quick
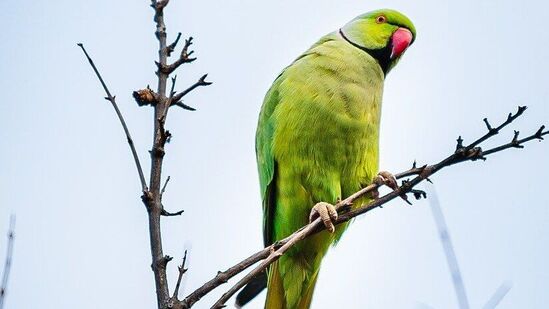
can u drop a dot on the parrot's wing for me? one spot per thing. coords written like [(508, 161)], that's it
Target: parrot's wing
[(265, 160), (267, 178)]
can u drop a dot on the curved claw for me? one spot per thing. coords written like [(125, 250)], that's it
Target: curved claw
[(326, 212), (388, 179)]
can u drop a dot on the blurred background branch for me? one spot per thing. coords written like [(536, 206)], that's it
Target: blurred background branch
[(499, 294), (8, 261), (449, 252)]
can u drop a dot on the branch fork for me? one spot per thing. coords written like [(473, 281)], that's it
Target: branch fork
[(184, 57), (176, 100)]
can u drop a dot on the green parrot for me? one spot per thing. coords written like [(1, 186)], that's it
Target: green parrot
[(317, 142)]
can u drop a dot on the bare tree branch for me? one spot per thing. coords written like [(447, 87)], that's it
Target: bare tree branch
[(160, 101), (273, 252), (112, 99), (153, 200), (7, 263)]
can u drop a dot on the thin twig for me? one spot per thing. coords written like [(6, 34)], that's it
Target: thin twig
[(172, 46), (171, 98), (7, 263), (517, 143), (493, 131), (164, 186), (184, 57), (201, 82), (171, 214), (182, 271), (172, 90), (165, 212), (184, 106), (112, 99), (273, 252)]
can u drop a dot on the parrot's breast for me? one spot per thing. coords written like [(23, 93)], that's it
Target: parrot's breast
[(328, 121)]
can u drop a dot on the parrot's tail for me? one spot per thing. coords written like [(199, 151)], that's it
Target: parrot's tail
[(251, 290), (278, 298), (275, 289)]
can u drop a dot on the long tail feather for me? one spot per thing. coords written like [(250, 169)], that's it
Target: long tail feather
[(275, 289), (305, 302), (276, 295), (251, 289)]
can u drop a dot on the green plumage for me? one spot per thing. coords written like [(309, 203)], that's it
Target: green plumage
[(317, 140)]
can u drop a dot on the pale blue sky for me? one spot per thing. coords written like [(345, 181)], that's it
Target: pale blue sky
[(67, 173)]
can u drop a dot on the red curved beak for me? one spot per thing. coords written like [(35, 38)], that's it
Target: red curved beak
[(401, 39)]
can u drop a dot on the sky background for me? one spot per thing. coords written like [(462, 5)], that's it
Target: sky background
[(67, 173)]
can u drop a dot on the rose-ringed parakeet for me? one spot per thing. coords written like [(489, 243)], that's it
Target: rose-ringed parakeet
[(317, 142)]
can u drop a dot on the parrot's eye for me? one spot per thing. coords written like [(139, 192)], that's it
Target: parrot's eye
[(381, 19)]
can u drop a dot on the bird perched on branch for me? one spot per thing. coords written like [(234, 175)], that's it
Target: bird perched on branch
[(317, 142)]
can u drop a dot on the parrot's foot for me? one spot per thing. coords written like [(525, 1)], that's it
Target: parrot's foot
[(384, 178), (326, 212)]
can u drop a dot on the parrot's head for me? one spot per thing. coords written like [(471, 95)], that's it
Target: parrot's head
[(384, 34)]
